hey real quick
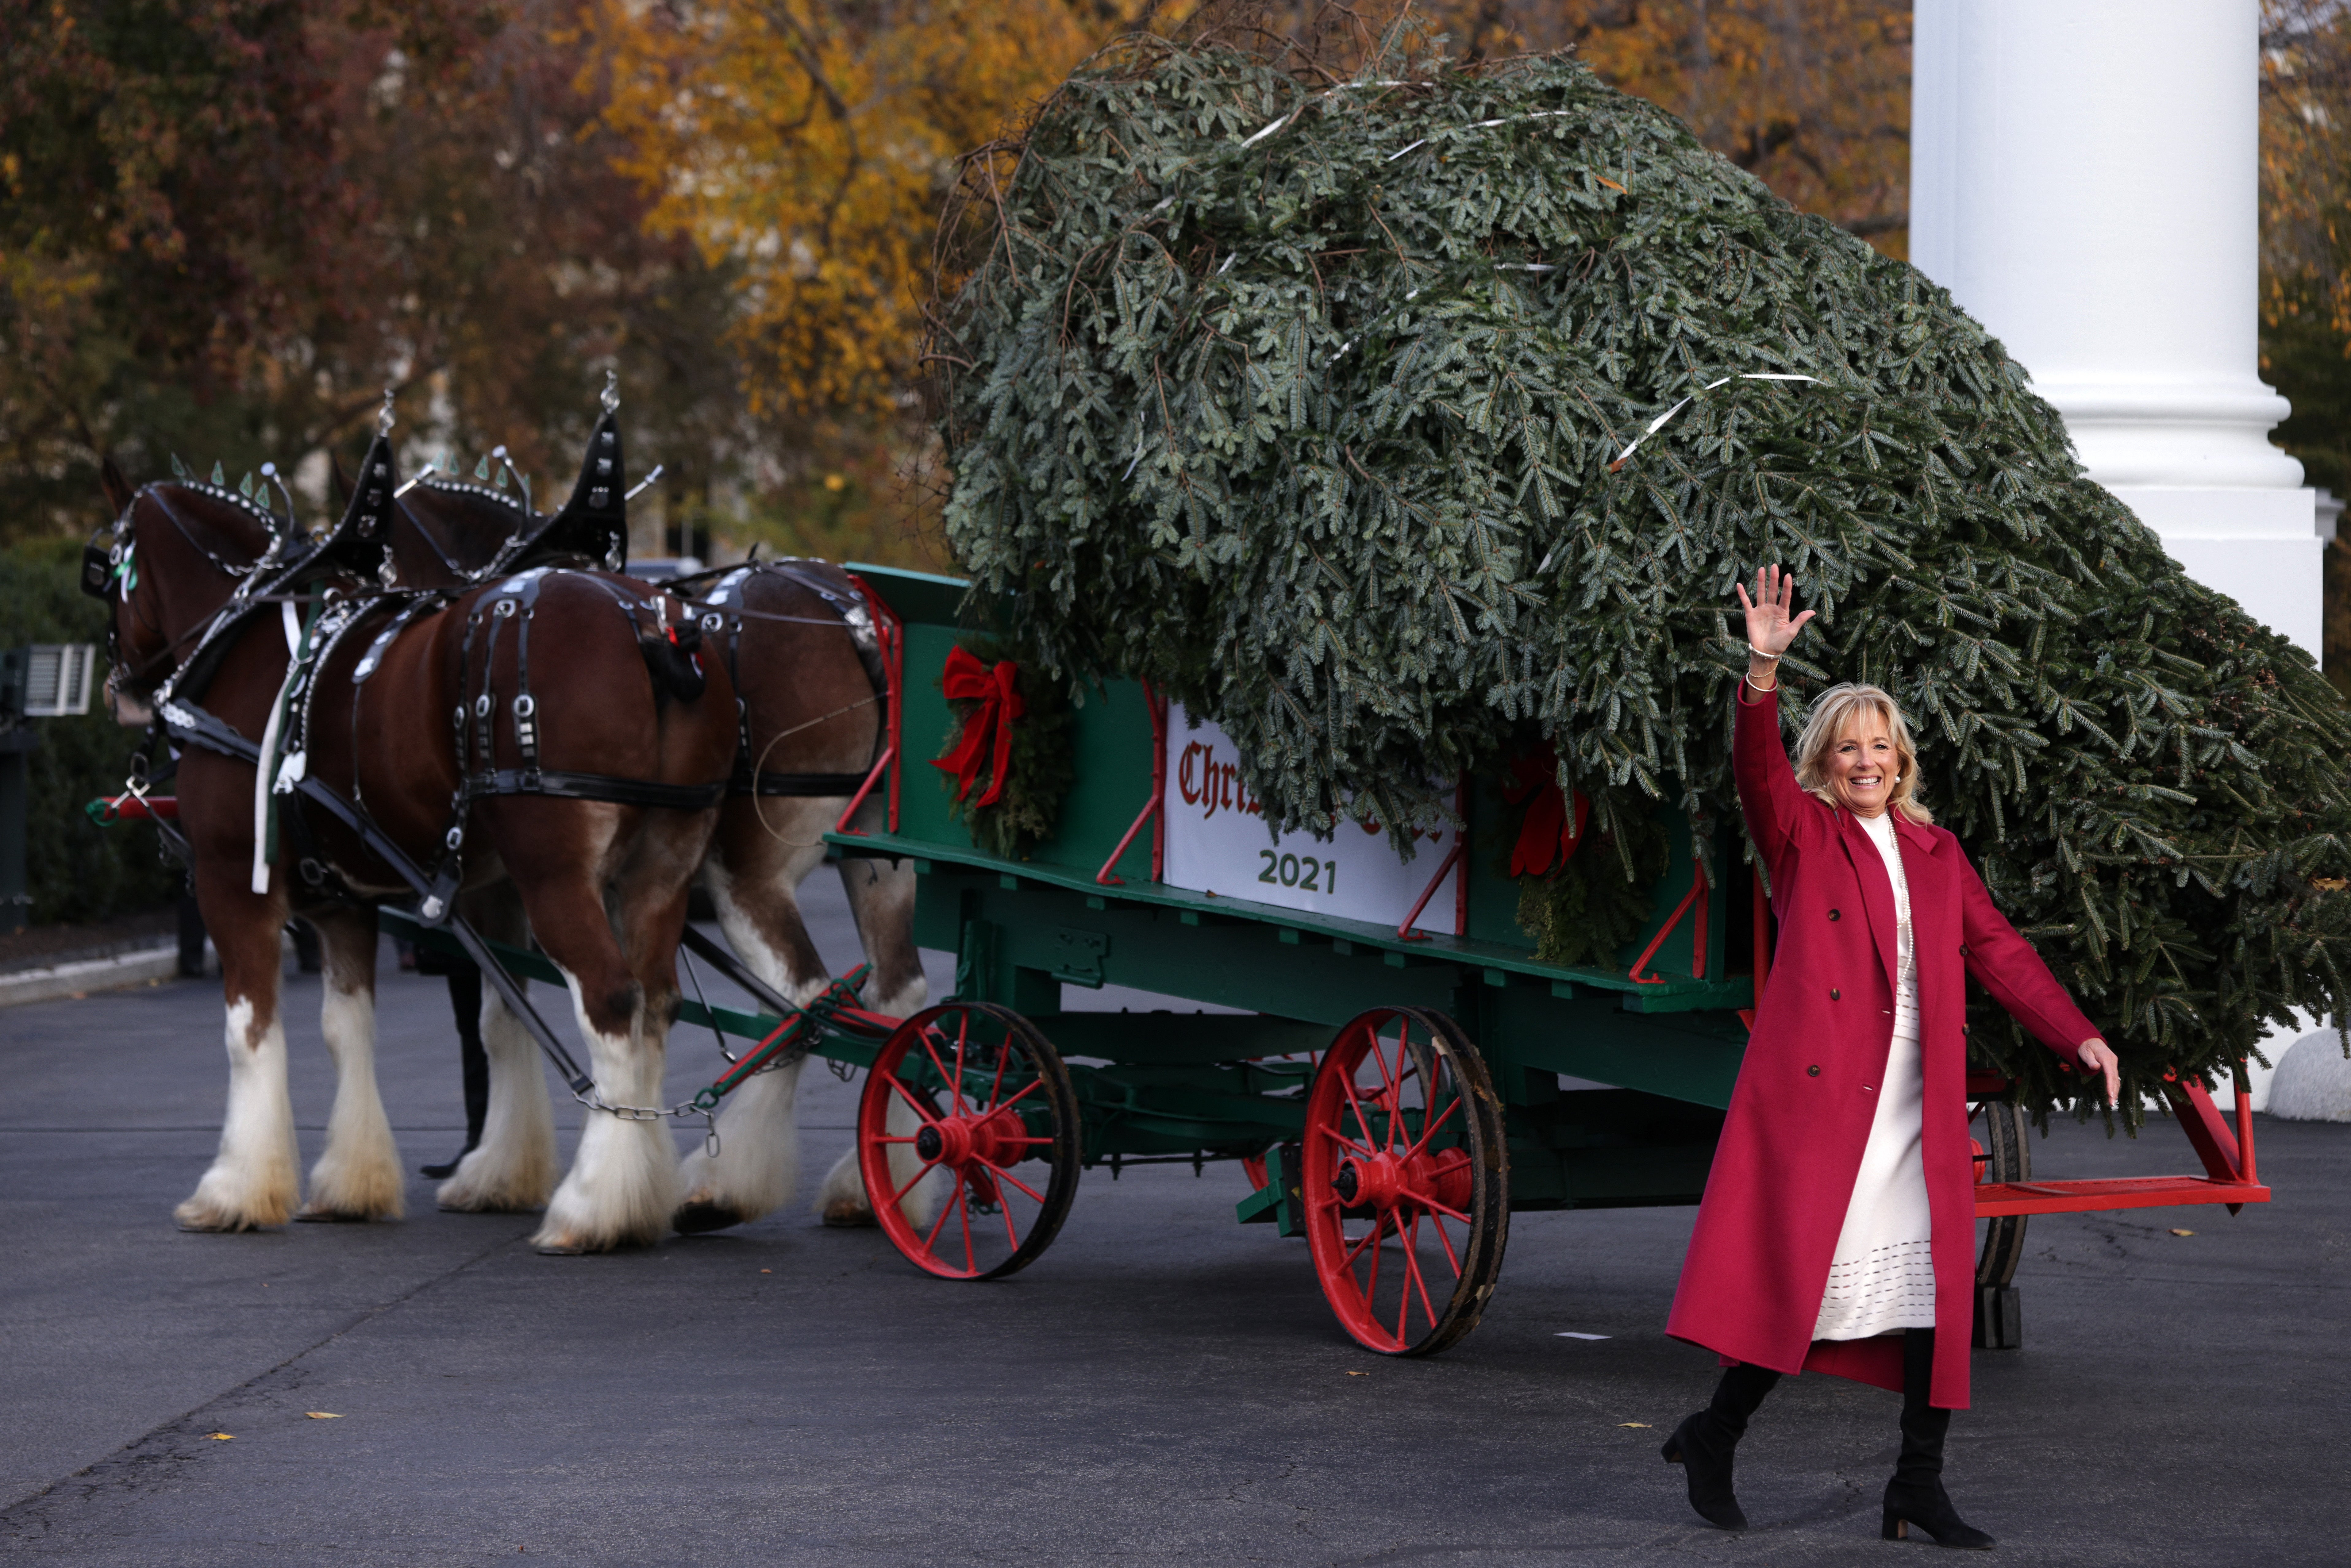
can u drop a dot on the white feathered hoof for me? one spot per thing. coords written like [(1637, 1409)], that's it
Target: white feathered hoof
[(699, 1215), (2313, 1081), (356, 1190), (501, 1179), (622, 1190), (840, 1202), (217, 1206)]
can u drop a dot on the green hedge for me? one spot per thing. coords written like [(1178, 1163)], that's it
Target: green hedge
[(79, 871)]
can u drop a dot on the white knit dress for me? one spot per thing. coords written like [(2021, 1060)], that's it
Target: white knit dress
[(1883, 1278)]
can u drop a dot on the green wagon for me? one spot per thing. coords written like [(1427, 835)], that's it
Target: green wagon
[(1393, 1086)]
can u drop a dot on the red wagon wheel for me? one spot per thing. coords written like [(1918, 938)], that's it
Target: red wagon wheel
[(967, 1140), (1407, 1182)]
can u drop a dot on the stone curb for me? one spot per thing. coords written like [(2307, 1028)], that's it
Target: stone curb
[(134, 968)]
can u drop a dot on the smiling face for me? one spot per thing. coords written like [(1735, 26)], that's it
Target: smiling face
[(1861, 769)]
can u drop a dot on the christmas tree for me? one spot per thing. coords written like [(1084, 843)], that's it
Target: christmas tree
[(1310, 402)]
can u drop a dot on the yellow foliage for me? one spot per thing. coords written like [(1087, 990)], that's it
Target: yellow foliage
[(807, 145), (1810, 97)]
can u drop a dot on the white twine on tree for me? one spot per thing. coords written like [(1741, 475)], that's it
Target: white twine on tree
[(1659, 424)]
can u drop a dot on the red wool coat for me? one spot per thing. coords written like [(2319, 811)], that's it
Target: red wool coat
[(1799, 1120)]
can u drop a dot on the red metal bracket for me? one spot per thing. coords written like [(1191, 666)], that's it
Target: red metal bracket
[(1456, 856), (1452, 857), (892, 633), (1153, 808), (1697, 895)]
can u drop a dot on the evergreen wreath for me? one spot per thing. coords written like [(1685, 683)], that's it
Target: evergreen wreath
[(1309, 399), (1582, 912), (1038, 772)]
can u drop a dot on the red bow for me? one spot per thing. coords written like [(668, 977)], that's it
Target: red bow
[(998, 695), (1546, 829)]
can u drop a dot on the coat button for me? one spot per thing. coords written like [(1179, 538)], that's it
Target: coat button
[(1835, 995), (1834, 915), (1812, 1072), (1963, 950)]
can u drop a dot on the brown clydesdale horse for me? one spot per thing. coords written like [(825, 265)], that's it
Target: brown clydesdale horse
[(602, 883), (798, 639)]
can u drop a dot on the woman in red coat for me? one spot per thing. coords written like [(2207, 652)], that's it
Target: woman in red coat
[(1838, 1233)]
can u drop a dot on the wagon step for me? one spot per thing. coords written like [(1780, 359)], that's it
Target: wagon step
[(2228, 1154), (1994, 1198)]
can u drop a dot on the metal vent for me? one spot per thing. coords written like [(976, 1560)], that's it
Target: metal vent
[(57, 679)]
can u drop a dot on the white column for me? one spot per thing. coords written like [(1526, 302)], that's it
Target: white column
[(2084, 181)]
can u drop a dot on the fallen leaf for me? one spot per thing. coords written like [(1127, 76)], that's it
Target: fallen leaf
[(222, 1437), (1632, 1423), (1607, 182), (1359, 1375), (767, 1270), (322, 1414), (2177, 1232)]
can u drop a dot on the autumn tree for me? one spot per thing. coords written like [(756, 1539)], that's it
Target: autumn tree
[(804, 146), (229, 223), (2306, 262)]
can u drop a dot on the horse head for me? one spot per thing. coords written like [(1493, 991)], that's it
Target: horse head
[(177, 551)]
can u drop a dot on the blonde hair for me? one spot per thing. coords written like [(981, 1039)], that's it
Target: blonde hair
[(1833, 712)]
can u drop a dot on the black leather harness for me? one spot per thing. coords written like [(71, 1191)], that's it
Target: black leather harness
[(749, 779)]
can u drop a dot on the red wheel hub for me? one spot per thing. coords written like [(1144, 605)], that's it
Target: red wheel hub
[(1386, 1181), (999, 1138)]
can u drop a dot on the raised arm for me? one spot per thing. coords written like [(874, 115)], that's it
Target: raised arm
[(1768, 791)]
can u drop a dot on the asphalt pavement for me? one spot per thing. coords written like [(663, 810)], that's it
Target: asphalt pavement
[(1163, 1386)]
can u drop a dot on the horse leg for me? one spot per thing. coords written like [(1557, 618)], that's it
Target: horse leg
[(881, 896), (358, 1176), (514, 1169), (751, 876), (254, 1179), (623, 1184)]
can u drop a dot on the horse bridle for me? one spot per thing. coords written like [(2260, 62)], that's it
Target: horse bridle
[(126, 539)]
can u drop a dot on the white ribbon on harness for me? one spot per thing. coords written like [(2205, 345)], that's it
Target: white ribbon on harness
[(264, 787)]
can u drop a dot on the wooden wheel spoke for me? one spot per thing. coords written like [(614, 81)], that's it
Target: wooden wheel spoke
[(928, 1166), (1426, 1202), (963, 1208), (1361, 1242), (1446, 1242), (1034, 1084), (908, 1096), (954, 1089), (1429, 1131), (930, 1242), (1005, 1176), (1348, 1082), (963, 1034), (1412, 1268), (1003, 1061)]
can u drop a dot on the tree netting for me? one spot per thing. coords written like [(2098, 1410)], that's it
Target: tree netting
[(1308, 400)]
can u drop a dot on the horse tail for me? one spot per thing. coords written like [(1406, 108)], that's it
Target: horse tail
[(672, 654)]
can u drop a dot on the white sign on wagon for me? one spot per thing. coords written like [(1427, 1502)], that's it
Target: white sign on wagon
[(1217, 843)]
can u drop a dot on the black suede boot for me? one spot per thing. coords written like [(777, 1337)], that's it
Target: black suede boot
[(1703, 1444), (1916, 1495), (466, 1002)]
